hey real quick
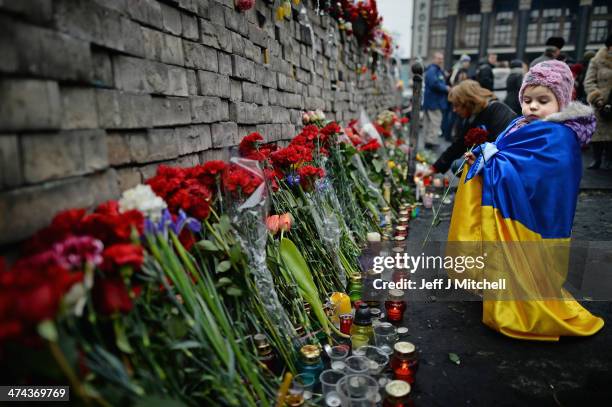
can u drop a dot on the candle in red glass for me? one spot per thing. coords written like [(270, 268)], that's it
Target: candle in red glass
[(398, 394), (395, 306), (404, 363), (346, 320)]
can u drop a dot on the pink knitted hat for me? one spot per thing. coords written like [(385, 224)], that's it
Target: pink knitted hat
[(553, 74)]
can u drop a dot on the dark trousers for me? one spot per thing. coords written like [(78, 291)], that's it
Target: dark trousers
[(601, 147)]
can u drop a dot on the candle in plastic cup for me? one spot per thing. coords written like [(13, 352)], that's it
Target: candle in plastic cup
[(329, 379), (357, 365)]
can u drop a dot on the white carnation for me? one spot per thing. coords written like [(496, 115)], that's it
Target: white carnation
[(142, 198)]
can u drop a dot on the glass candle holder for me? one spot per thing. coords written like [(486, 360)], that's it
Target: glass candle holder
[(385, 336), (306, 381), (357, 365), (337, 355), (378, 360), (329, 379), (358, 391)]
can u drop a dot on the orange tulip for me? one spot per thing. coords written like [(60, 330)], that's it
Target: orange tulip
[(272, 223), (284, 222)]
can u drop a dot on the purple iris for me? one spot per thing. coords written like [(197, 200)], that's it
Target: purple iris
[(293, 180), (176, 226)]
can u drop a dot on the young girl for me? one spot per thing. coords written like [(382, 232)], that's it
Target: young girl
[(524, 188)]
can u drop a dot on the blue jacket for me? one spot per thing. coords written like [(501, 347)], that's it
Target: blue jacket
[(436, 91)]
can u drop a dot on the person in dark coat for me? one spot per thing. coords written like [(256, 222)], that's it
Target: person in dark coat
[(552, 51), (484, 76), (476, 106), (513, 85), (434, 100)]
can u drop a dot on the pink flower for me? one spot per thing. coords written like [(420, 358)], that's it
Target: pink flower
[(76, 250), (273, 224)]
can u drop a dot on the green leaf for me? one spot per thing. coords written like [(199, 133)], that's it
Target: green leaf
[(223, 281), (454, 358), (224, 224), (437, 221), (224, 266), (207, 245), (234, 291), (235, 254), (157, 401), (120, 338), (378, 164), (187, 345), (47, 330)]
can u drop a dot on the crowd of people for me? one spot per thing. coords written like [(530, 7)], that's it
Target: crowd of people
[(465, 97)]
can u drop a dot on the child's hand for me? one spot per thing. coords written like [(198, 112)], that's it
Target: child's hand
[(469, 157)]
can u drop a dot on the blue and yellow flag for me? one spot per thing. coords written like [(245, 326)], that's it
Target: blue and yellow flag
[(522, 191)]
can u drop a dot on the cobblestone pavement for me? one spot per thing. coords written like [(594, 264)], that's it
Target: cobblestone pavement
[(498, 371)]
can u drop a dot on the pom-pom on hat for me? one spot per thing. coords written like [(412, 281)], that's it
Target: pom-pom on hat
[(558, 42), (553, 74)]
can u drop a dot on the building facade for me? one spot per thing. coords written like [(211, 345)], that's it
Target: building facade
[(509, 28)]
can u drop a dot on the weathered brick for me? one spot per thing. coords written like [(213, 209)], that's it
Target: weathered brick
[(195, 6), (200, 57), (235, 90), (52, 156), (192, 139), (128, 178), (252, 93), (154, 145), (265, 76), (238, 44), (236, 21), (208, 33), (287, 131), (170, 111), (79, 108), (279, 114), (264, 114), (146, 11), (171, 19), (192, 82), (27, 49), (190, 26), (26, 210), (119, 110), (10, 161), (224, 134), (252, 52), (207, 109), (216, 12), (29, 105), (133, 39), (243, 113), (162, 47), (139, 75), (102, 69), (118, 148), (285, 83), (273, 96), (225, 64), (89, 21), (103, 186), (213, 84), (258, 36), (292, 100), (243, 68), (222, 154), (35, 10)]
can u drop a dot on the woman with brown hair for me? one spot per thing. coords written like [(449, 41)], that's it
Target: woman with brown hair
[(476, 107)]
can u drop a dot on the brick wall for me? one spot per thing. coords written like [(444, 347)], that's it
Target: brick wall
[(95, 94)]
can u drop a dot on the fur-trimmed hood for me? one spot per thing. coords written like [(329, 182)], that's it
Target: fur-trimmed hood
[(578, 117), (603, 57)]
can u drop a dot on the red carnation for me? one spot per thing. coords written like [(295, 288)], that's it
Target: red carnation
[(122, 255), (63, 225), (371, 145), (240, 182), (111, 296), (208, 173), (331, 129), (308, 175), (475, 136)]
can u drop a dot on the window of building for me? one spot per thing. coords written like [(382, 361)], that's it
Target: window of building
[(552, 13), (472, 18), (600, 10), (439, 9), (549, 30), (599, 31), (567, 26), (532, 34), (504, 17), (534, 15), (502, 35), (438, 38), (472, 35)]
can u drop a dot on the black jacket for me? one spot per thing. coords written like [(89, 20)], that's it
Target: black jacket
[(484, 76), (513, 85), (495, 117)]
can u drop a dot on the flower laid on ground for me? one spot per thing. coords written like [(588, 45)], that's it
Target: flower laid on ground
[(308, 175), (240, 182), (142, 198), (76, 251), (371, 145)]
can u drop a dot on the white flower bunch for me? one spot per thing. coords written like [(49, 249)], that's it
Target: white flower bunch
[(142, 198)]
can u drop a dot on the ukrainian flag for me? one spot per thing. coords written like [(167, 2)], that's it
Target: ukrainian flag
[(518, 201)]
